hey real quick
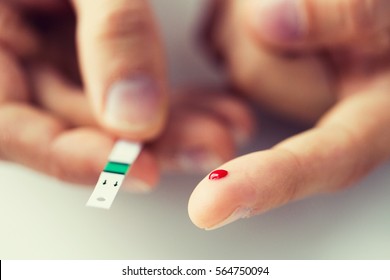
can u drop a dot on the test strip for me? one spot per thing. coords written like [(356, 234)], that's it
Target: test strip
[(122, 157)]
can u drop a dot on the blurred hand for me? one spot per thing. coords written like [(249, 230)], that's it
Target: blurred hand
[(311, 61), (49, 124)]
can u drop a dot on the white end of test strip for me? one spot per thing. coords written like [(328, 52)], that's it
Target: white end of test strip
[(122, 157)]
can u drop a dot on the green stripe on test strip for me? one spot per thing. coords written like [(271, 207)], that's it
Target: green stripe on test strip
[(116, 167)]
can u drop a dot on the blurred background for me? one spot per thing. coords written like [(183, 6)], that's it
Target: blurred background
[(43, 218)]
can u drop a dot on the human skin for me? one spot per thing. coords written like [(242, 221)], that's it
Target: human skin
[(52, 115), (311, 61)]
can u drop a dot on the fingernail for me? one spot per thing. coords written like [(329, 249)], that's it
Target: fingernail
[(198, 160), (134, 185), (132, 104), (239, 213), (280, 20)]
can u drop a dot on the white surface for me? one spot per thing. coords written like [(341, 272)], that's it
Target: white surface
[(125, 152), (105, 190), (44, 218), (109, 184)]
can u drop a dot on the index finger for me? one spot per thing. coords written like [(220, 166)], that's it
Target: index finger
[(349, 141)]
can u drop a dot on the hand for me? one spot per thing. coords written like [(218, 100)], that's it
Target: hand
[(312, 61), (47, 123), (183, 145)]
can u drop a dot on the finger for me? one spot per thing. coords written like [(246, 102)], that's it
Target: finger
[(347, 143), (64, 100), (43, 142), (13, 83), (185, 146), (79, 155), (61, 97), (302, 97), (258, 71), (302, 23), (15, 33), (122, 65), (228, 109), (26, 135)]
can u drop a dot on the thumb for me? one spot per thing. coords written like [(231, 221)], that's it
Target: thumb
[(122, 66), (316, 22)]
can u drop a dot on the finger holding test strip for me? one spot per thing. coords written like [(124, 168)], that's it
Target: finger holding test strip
[(121, 159), (128, 99), (123, 75)]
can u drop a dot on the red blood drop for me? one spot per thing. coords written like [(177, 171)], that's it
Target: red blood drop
[(218, 174)]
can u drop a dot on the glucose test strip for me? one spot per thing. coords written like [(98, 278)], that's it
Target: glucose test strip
[(122, 156)]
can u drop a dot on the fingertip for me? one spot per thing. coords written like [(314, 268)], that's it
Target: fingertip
[(245, 186), (143, 175), (79, 156), (218, 201), (307, 23), (135, 185), (276, 21), (135, 108)]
